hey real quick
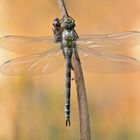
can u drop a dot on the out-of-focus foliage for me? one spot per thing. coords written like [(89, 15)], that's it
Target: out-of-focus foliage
[(32, 108)]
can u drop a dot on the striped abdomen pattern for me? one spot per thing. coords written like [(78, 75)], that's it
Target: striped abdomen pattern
[(68, 55)]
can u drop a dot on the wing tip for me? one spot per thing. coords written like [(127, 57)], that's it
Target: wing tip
[(6, 37), (3, 68)]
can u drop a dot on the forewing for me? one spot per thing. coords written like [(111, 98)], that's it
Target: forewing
[(107, 63), (111, 42), (27, 45), (36, 64)]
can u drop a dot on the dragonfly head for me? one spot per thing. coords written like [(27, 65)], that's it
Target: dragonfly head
[(68, 23)]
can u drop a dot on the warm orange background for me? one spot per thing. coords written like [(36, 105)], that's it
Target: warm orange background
[(32, 108)]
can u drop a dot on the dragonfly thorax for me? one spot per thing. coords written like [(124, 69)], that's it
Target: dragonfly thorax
[(68, 38)]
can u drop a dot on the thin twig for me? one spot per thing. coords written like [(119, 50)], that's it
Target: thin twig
[(81, 89), (63, 8)]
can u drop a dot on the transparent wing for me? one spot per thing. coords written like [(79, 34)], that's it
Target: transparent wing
[(107, 63), (110, 42), (36, 64), (27, 45)]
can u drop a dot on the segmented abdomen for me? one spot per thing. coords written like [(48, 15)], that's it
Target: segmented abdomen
[(68, 54)]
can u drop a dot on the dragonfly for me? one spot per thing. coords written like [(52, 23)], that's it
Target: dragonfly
[(47, 54)]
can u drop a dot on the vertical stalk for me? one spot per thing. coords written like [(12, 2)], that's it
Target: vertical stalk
[(80, 86), (63, 8)]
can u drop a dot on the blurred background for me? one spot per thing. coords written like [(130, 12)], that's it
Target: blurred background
[(32, 108)]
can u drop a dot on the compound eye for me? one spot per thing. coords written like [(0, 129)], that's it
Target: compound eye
[(68, 20)]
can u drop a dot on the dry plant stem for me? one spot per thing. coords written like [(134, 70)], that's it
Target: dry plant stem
[(62, 7), (80, 86), (82, 99)]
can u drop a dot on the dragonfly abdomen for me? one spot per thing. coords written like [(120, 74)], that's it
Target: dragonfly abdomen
[(68, 54)]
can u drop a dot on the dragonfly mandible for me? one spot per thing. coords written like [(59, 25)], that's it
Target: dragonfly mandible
[(43, 54)]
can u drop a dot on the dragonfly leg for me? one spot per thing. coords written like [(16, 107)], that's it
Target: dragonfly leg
[(62, 18), (76, 35)]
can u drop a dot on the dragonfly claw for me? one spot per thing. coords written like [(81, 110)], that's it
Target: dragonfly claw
[(68, 122)]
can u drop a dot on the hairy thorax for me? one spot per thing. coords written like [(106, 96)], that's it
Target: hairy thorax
[(68, 39)]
